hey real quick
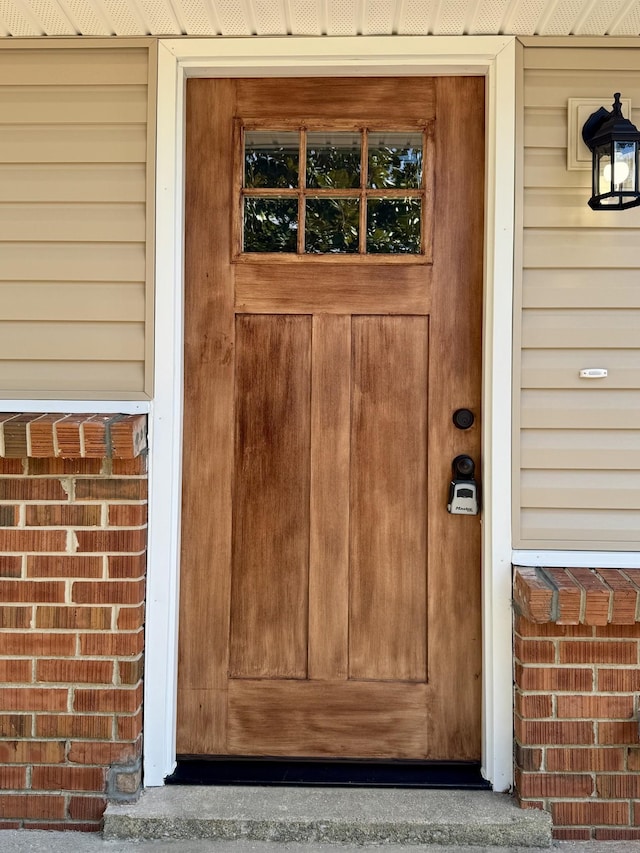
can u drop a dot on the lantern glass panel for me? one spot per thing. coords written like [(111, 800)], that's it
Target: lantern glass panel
[(602, 183), (602, 175), (624, 167)]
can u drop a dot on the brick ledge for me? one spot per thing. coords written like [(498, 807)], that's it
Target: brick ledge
[(577, 596), (72, 436)]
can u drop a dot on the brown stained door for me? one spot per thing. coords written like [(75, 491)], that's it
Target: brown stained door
[(330, 606)]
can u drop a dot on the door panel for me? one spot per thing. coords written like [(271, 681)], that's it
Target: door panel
[(351, 98), (325, 719), (333, 289), (329, 522), (330, 606), (388, 597), (269, 589)]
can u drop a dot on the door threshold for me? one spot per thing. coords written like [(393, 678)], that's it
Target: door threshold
[(305, 772)]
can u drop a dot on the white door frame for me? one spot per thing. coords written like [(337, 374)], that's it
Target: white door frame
[(490, 56)]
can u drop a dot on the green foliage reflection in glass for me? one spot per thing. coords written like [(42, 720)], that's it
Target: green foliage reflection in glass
[(271, 159), (395, 160), (333, 160), (393, 225), (270, 224), (332, 225)]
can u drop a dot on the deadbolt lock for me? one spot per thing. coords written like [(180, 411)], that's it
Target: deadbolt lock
[(464, 496)]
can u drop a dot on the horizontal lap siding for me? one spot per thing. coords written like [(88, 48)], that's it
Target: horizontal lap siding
[(73, 222), (579, 441)]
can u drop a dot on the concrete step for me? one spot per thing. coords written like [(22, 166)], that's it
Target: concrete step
[(331, 815)]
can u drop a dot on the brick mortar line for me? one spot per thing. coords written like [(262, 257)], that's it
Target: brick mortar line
[(67, 554), (60, 686), (102, 476), (83, 659), (80, 527), (92, 632), (554, 719), (554, 610), (582, 801), (79, 579), (60, 739), (74, 630), (102, 684), (554, 691), (72, 714), (80, 502), (579, 665), (27, 632), (594, 639)]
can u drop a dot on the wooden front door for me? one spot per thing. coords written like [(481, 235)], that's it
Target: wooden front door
[(330, 605)]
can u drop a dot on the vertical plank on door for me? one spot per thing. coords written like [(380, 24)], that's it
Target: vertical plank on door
[(269, 597), (208, 422), (329, 552), (388, 590)]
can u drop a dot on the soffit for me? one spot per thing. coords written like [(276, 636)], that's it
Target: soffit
[(27, 18)]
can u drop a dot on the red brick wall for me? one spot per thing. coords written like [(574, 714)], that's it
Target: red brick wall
[(577, 745), (72, 567)]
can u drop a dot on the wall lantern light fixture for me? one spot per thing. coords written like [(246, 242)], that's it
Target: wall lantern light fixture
[(615, 165)]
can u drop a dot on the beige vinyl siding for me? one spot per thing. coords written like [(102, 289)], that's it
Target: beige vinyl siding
[(76, 129), (577, 440)]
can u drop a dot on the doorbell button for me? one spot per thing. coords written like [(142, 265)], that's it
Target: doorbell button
[(593, 373)]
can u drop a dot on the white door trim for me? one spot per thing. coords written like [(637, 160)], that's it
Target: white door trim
[(576, 559), (490, 56)]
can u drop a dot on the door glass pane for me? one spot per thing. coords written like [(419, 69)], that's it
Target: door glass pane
[(395, 160), (332, 225), (393, 225), (333, 160), (270, 224), (271, 158)]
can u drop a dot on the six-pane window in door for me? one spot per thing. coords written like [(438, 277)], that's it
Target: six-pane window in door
[(322, 192)]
